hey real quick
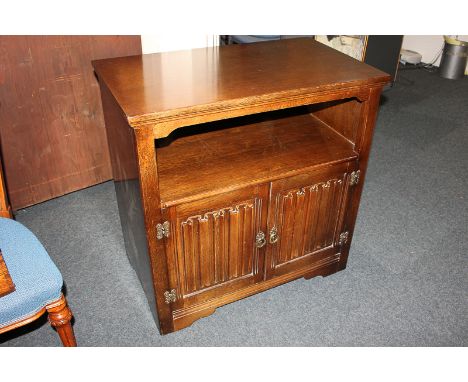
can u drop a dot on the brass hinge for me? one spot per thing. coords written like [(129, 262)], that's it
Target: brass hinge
[(163, 230), (343, 238), (354, 178), (170, 296)]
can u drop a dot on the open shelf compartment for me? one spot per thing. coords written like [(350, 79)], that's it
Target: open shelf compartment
[(230, 154)]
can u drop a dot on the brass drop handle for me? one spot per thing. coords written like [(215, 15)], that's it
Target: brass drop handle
[(260, 240), (273, 235)]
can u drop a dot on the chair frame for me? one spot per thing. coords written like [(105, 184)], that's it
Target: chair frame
[(5, 209), (59, 314), (59, 317)]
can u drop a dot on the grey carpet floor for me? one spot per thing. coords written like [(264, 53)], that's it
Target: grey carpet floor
[(406, 282)]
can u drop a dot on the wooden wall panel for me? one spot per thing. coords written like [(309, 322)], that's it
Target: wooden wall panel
[(51, 122)]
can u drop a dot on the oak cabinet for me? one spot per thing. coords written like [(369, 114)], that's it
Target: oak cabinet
[(236, 168)]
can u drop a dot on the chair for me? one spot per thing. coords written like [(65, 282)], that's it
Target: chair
[(38, 283)]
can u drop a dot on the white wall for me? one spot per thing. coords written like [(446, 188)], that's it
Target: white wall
[(427, 46), (170, 42)]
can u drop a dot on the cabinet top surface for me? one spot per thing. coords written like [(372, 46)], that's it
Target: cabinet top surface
[(161, 84)]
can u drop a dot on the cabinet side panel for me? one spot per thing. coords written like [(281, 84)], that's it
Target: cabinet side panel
[(122, 151), (342, 115), (363, 144)]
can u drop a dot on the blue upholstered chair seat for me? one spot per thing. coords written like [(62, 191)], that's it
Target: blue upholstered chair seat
[(37, 280)]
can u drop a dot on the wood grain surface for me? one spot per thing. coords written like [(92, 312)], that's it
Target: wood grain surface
[(306, 211), (234, 153), (6, 284), (5, 209), (51, 123), (230, 145), (214, 241), (199, 85)]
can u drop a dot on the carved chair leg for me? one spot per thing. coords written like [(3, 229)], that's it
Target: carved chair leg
[(60, 317)]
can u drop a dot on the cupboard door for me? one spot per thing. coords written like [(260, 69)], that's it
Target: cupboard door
[(213, 250), (305, 217)]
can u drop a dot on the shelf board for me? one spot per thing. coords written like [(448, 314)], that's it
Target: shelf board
[(239, 152)]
